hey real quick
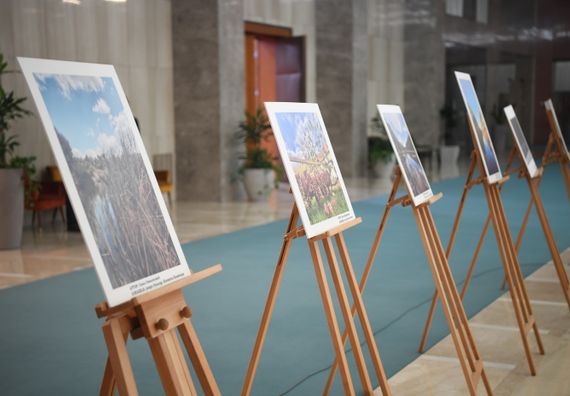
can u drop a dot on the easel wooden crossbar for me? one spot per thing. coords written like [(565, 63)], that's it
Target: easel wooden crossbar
[(555, 151), (468, 355), (156, 316), (293, 231), (507, 250)]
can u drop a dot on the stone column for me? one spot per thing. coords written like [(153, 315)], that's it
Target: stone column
[(341, 79), (208, 58), (424, 69)]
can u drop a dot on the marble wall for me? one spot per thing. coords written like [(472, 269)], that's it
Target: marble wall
[(208, 53), (424, 69), (134, 36), (342, 66)]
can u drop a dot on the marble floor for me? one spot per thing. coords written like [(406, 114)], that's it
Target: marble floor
[(53, 251)]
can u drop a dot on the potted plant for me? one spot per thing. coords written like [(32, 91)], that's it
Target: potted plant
[(500, 130), (449, 150), (380, 154), (14, 169), (259, 170)]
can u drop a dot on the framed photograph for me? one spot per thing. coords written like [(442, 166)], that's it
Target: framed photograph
[(406, 154), (550, 107), (479, 127), (520, 140), (107, 175), (311, 166)]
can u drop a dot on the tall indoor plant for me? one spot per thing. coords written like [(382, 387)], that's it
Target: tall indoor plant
[(15, 171), (380, 154), (258, 170)]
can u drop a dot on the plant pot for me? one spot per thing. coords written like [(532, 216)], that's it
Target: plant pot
[(258, 183), (449, 155), (384, 169), (11, 208)]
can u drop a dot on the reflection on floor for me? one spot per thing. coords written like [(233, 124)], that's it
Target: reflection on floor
[(54, 251), (437, 372)]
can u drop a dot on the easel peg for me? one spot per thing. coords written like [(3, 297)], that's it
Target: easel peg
[(162, 324), (186, 312)]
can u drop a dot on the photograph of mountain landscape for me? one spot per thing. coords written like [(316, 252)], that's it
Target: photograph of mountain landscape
[(520, 140), (477, 120), (406, 153), (107, 174)]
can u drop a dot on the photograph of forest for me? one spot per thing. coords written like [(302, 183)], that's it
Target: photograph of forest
[(406, 151), (478, 121), (108, 171), (311, 159)]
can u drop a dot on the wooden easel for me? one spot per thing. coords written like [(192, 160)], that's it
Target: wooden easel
[(156, 316), (508, 252), (555, 151), (293, 231), (471, 363)]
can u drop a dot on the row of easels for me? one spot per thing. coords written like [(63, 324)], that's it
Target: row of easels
[(159, 315), (513, 276), (468, 355)]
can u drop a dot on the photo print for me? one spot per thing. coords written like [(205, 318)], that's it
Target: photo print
[(477, 122), (107, 175), (311, 165), (520, 140), (408, 159), (550, 108)]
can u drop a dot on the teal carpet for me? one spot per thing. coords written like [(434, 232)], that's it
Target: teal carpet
[(51, 343)]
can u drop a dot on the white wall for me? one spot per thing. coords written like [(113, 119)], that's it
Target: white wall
[(134, 36)]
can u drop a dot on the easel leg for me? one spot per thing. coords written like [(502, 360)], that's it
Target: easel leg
[(447, 301), (366, 274), (198, 358), (554, 252), (363, 316), (450, 245), (331, 318), (269, 304), (518, 297), (121, 371), (348, 319), (173, 374)]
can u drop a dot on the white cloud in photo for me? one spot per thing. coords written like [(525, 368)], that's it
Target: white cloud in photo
[(67, 84), (113, 143), (101, 107)]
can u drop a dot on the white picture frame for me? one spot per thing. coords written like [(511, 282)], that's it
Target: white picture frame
[(550, 107), (520, 140), (95, 124), (307, 156), (406, 153), (480, 130)]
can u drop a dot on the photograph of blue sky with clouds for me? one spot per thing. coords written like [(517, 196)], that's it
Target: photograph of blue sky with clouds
[(97, 138)]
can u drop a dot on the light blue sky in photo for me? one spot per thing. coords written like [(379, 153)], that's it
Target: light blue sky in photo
[(72, 111), (288, 127)]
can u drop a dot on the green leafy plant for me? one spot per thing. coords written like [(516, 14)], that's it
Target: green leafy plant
[(448, 114), (10, 110), (379, 147), (254, 130)]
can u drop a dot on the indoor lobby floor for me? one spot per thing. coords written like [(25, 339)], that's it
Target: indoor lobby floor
[(52, 251)]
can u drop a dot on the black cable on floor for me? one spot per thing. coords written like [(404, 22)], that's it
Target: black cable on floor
[(314, 373)]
